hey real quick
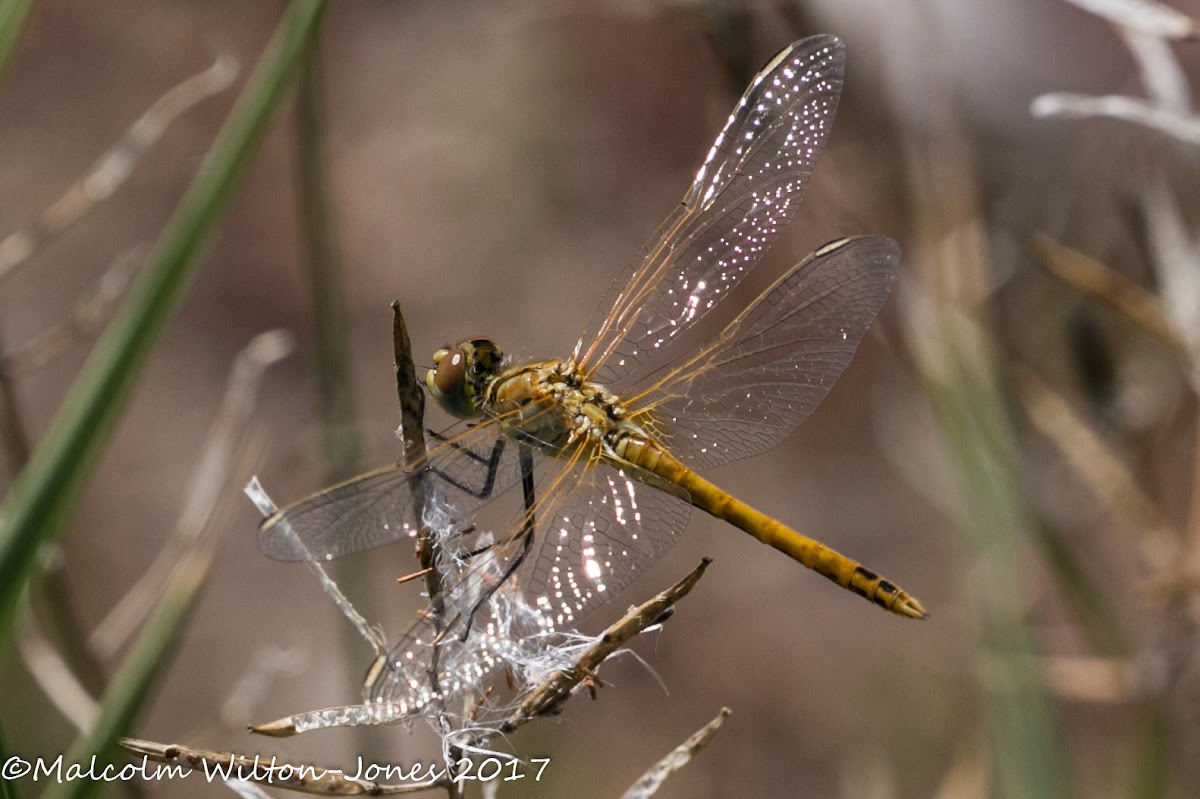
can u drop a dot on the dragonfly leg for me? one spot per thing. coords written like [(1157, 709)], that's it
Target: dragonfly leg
[(525, 535), (492, 462)]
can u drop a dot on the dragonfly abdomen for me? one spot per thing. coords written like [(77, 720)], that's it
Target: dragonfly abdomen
[(824, 560)]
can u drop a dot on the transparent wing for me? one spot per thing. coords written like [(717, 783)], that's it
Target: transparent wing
[(596, 528), (469, 466), (595, 540), (743, 196), (771, 367), (450, 649)]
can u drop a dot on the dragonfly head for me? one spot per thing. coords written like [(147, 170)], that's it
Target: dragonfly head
[(460, 374)]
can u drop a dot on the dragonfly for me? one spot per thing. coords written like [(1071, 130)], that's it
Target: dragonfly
[(608, 444)]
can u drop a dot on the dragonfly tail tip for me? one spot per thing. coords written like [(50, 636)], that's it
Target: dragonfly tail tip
[(910, 608)]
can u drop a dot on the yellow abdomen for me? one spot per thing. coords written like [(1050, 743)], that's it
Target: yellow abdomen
[(847, 573)]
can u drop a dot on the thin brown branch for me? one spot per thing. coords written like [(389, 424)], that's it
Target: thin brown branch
[(412, 432), (649, 783), (1093, 278), (205, 487), (50, 671), (1097, 680), (115, 165), (411, 397), (548, 698), (90, 312), (1144, 16), (13, 439), (545, 700), (1110, 481), (1191, 543), (270, 771), (267, 507)]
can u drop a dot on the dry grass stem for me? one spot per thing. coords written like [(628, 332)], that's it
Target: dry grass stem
[(205, 488), (547, 699), (87, 316), (1144, 16), (270, 771), (411, 397), (649, 783), (112, 168), (1110, 480), (267, 507), (1090, 679), (49, 670), (544, 700), (1069, 105), (1091, 277)]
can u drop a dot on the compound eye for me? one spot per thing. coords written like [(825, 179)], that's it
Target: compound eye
[(450, 370)]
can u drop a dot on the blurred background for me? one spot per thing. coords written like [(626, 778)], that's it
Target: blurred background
[(1015, 443)]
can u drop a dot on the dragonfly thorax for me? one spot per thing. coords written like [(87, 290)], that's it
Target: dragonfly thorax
[(551, 406)]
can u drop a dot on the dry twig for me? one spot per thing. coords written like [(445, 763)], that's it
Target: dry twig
[(269, 771), (114, 166), (649, 783), (547, 699)]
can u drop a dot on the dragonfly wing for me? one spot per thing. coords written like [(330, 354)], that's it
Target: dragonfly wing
[(465, 467), (452, 649), (743, 196), (371, 510), (596, 528), (772, 366), (596, 539)]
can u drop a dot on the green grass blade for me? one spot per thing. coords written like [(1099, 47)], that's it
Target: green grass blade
[(8, 788), (1151, 763), (1022, 726), (322, 255), (132, 682), (45, 492), (12, 20)]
